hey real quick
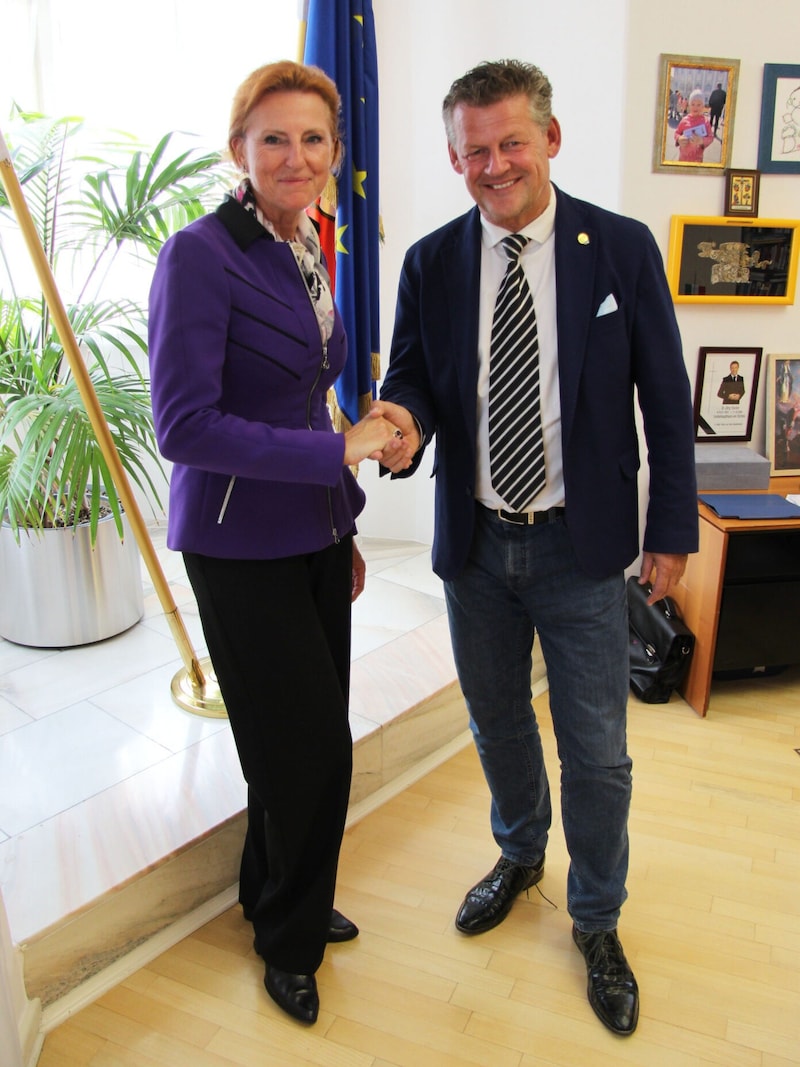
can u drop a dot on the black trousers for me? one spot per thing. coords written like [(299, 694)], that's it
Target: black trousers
[(278, 634)]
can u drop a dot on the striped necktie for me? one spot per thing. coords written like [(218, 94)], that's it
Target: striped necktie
[(516, 446)]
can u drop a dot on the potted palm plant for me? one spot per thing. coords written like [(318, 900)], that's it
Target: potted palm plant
[(69, 568)]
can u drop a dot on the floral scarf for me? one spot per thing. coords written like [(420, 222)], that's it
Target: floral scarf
[(307, 254)]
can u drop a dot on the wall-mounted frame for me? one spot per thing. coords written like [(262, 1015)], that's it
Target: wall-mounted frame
[(674, 150), (732, 261), (725, 393), (779, 137), (783, 414), (741, 193)]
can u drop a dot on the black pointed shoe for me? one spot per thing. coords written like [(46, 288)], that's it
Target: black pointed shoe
[(295, 993), (488, 902), (613, 992), (341, 929)]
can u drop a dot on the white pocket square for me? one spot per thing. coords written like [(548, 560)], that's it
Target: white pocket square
[(609, 304)]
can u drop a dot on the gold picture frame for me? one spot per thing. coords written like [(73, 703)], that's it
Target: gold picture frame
[(783, 414), (732, 261), (680, 76)]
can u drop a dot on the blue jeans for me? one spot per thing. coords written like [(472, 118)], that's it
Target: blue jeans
[(520, 580)]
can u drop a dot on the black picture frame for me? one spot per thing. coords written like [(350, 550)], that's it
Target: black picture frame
[(724, 398), (741, 193)]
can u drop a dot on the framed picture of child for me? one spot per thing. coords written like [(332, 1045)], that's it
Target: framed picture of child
[(694, 114)]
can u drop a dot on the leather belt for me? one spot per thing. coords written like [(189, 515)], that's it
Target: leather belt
[(528, 518)]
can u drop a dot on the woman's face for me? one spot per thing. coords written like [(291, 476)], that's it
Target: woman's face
[(287, 151)]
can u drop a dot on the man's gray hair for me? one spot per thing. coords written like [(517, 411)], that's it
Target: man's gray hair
[(495, 80)]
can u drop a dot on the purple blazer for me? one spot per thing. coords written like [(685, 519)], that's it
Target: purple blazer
[(239, 382)]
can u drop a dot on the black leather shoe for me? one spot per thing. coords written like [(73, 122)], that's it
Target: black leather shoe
[(488, 902), (613, 992), (341, 929), (295, 993)]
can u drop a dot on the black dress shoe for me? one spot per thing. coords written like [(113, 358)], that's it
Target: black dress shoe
[(341, 929), (613, 992), (295, 993), (488, 902)]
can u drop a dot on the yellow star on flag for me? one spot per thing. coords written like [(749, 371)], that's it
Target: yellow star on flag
[(339, 243), (359, 177)]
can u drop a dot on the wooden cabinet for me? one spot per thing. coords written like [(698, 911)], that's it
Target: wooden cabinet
[(740, 596)]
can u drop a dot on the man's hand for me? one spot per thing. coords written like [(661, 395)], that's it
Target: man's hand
[(402, 418), (668, 568)]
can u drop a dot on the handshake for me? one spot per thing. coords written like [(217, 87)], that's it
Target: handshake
[(387, 433)]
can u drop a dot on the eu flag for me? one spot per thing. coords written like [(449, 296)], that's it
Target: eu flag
[(340, 38)]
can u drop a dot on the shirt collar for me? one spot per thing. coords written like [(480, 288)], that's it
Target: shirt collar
[(539, 230)]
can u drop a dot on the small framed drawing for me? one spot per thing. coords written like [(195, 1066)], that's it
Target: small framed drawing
[(783, 414), (725, 393), (732, 261), (741, 193), (779, 136), (694, 114)]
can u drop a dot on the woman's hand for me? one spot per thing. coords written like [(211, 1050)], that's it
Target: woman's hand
[(374, 437), (359, 573)]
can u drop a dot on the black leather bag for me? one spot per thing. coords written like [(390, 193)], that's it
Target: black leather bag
[(661, 645)]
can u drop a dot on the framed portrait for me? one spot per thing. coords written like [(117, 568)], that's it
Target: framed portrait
[(694, 114), (732, 261), (779, 137), (783, 414), (741, 193), (725, 393)]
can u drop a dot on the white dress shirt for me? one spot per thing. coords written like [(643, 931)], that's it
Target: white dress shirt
[(538, 262)]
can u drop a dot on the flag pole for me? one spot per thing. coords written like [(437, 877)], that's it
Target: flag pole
[(302, 15), (192, 688)]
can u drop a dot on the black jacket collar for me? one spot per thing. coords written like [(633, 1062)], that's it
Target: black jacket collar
[(241, 224)]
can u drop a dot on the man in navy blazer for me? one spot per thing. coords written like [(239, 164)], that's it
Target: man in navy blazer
[(606, 330)]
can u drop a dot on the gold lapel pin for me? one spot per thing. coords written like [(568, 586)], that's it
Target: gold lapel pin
[(583, 238)]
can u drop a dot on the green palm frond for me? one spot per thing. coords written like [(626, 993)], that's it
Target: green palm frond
[(90, 196)]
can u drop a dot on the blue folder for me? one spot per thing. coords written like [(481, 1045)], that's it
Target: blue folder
[(750, 505)]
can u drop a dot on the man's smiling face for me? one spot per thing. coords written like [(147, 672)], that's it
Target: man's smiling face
[(505, 159)]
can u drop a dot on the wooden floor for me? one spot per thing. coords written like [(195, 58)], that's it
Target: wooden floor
[(711, 927)]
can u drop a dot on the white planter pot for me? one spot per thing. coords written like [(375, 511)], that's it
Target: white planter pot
[(57, 591)]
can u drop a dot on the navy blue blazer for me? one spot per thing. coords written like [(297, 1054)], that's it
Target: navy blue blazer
[(433, 371)]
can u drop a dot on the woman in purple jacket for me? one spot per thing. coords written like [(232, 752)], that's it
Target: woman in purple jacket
[(245, 341)]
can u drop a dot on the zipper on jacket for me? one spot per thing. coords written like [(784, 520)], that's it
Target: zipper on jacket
[(227, 497), (324, 365)]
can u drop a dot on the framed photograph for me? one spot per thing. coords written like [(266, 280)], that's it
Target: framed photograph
[(732, 261), (741, 193), (783, 414), (779, 137), (725, 393), (694, 114)]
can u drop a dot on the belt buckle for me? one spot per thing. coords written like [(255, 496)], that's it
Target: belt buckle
[(520, 518)]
